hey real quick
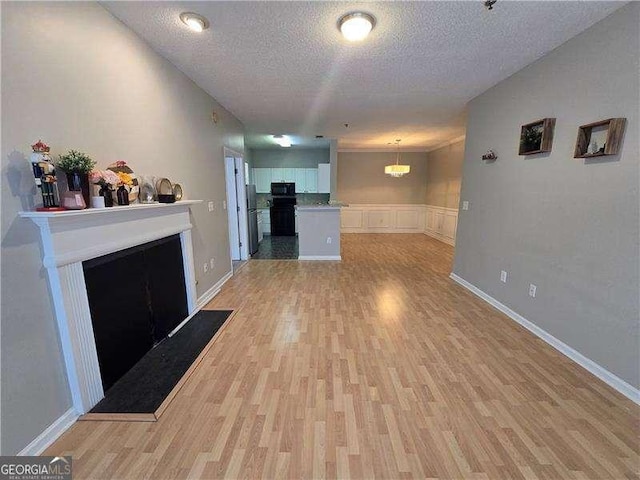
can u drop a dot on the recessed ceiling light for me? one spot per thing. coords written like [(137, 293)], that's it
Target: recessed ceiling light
[(195, 22), (356, 26)]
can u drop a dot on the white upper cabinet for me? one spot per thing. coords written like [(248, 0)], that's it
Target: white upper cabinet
[(277, 174), (307, 180), (301, 181), (324, 178), (289, 174), (310, 180), (262, 177)]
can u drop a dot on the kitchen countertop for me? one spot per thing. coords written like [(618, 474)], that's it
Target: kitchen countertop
[(316, 208)]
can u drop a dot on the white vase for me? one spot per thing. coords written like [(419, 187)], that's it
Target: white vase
[(97, 202)]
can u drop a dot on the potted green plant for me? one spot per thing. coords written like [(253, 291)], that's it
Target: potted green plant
[(77, 166)]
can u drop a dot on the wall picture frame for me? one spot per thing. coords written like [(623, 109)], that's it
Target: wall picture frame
[(600, 138), (537, 137)]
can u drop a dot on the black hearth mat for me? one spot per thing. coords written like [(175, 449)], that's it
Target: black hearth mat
[(143, 388)]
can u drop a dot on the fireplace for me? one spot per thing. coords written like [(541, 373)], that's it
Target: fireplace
[(136, 297), (76, 246)]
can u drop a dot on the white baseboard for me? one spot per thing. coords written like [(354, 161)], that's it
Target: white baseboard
[(602, 373), (320, 257), (50, 435), (207, 296), (446, 240)]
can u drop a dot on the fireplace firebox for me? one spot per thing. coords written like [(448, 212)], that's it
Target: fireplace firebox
[(137, 296)]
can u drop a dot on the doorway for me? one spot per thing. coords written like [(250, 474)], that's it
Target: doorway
[(236, 206)]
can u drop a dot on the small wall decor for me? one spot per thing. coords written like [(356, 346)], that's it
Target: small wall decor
[(490, 156), (599, 138), (44, 174), (537, 137)]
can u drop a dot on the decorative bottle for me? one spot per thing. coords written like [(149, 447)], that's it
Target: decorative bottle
[(105, 192), (123, 195)]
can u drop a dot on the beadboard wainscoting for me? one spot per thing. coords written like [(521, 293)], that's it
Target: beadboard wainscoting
[(438, 222)]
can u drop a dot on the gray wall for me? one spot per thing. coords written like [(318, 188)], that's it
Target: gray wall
[(76, 77), (568, 225), (445, 174), (289, 157), (361, 178)]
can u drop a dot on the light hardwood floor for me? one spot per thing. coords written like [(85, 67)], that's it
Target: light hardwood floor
[(379, 366)]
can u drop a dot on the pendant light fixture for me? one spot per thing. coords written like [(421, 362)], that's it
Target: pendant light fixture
[(397, 170)]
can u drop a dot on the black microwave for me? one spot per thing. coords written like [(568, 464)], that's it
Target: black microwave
[(283, 189)]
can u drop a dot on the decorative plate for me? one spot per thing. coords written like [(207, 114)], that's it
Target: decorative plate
[(122, 167), (163, 187), (177, 191)]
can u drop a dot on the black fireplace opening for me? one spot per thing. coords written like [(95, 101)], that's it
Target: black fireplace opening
[(136, 297)]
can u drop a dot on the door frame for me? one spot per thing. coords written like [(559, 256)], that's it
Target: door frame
[(235, 189)]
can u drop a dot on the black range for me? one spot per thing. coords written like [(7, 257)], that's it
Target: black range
[(282, 211)]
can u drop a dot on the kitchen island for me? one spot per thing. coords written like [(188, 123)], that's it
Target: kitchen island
[(319, 232)]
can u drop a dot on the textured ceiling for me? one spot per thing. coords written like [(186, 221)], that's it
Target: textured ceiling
[(283, 67)]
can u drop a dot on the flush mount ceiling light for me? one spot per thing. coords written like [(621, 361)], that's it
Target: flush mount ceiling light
[(356, 26), (195, 22), (397, 170), (282, 140)]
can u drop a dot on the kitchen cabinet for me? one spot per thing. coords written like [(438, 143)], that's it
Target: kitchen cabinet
[(262, 177), (301, 180), (283, 174), (311, 180), (307, 180), (277, 174), (289, 174), (260, 229), (265, 214), (324, 178)]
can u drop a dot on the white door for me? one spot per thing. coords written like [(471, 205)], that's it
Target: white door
[(243, 220), (236, 205), (232, 207)]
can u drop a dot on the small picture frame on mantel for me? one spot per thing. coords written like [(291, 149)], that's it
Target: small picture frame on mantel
[(599, 138), (537, 137)]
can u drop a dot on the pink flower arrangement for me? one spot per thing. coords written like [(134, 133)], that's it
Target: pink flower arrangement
[(104, 178)]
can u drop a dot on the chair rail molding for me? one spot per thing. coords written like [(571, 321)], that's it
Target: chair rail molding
[(71, 237)]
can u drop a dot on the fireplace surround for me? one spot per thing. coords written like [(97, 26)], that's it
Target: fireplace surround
[(73, 237)]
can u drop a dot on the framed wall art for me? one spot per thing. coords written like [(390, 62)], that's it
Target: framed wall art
[(537, 137)]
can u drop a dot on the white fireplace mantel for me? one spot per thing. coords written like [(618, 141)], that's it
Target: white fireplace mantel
[(71, 237)]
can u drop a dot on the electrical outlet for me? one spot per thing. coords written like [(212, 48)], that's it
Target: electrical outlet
[(465, 205), (205, 267), (212, 262), (532, 290), (503, 276), (328, 240), (211, 206)]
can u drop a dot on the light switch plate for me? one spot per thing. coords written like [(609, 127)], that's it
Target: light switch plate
[(211, 206), (532, 290), (503, 276), (465, 205)]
